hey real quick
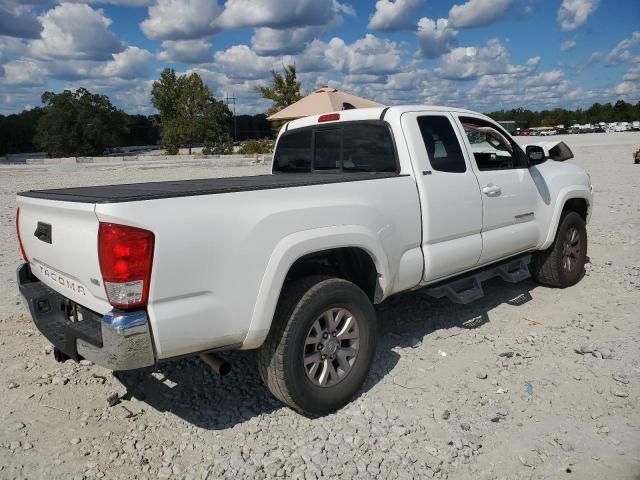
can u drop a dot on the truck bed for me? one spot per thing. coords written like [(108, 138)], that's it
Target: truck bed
[(134, 192)]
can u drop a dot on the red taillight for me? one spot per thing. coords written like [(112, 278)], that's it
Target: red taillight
[(126, 255), (329, 117), (22, 251)]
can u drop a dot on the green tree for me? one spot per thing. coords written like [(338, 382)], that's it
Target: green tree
[(217, 123), (189, 113), (79, 123), (17, 131), (284, 91), (141, 131)]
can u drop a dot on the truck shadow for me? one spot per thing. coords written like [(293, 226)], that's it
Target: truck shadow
[(188, 389)]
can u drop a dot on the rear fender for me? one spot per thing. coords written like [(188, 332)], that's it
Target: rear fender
[(296, 246)]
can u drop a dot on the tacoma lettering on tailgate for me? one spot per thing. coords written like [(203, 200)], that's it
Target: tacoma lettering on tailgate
[(61, 280)]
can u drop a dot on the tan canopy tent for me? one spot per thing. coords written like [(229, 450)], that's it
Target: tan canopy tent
[(323, 100)]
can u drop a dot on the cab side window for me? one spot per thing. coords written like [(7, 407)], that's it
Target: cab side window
[(491, 148), (443, 148)]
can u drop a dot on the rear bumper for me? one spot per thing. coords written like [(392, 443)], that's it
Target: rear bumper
[(118, 340)]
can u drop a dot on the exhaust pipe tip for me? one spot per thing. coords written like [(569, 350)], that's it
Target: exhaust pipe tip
[(217, 364)]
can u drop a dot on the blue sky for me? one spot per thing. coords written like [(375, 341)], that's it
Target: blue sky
[(478, 54)]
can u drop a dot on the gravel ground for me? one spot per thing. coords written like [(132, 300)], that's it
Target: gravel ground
[(528, 382)]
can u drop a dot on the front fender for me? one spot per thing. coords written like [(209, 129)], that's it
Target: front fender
[(565, 194), (297, 245)]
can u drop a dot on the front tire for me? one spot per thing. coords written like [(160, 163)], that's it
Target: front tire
[(321, 345), (562, 264)]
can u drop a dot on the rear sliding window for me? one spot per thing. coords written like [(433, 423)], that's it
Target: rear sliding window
[(346, 147), (294, 152)]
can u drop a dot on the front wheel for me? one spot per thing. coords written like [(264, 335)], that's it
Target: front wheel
[(321, 345), (562, 264)]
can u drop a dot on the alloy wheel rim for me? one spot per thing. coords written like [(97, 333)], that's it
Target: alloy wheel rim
[(331, 347), (571, 250)]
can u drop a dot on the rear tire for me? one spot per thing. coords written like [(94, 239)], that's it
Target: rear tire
[(562, 264), (321, 345)]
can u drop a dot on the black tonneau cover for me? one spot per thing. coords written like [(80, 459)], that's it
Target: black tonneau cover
[(134, 192)]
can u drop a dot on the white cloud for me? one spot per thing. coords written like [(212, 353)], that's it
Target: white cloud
[(363, 78), (70, 70), (509, 82), (633, 74), (626, 88), (343, 8), (475, 13), (181, 19), (568, 45), (240, 62), (221, 84), (277, 13), (129, 64), (75, 31), (11, 48), (23, 73), (622, 52), (540, 90), (248, 100), (466, 63), (193, 19), (391, 16), (544, 79), (186, 51), (435, 38), (574, 13), (371, 55), (367, 57), (132, 63), (407, 81), (312, 59), (271, 41)]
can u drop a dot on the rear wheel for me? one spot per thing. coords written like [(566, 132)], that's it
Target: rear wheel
[(562, 264), (321, 345)]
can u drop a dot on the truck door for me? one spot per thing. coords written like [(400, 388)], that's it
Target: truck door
[(509, 195), (449, 194)]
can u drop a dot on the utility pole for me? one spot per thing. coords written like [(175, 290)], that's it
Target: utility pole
[(235, 123)]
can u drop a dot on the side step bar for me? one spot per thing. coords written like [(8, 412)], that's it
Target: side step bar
[(467, 288)]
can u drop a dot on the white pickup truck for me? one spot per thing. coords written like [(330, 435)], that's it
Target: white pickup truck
[(362, 204)]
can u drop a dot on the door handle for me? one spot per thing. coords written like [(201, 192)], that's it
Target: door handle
[(492, 191)]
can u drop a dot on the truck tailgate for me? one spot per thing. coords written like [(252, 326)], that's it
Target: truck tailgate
[(61, 243)]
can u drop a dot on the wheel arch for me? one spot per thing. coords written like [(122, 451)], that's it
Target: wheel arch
[(293, 256), (570, 199)]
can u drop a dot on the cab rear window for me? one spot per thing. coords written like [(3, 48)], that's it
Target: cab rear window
[(347, 147)]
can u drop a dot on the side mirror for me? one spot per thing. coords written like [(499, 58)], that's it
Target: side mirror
[(535, 154)]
